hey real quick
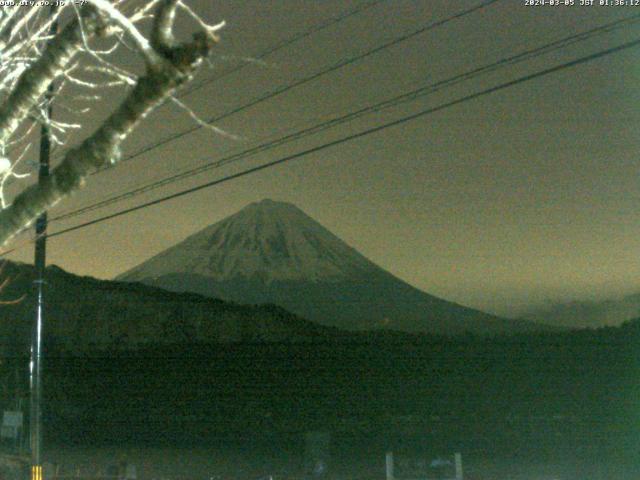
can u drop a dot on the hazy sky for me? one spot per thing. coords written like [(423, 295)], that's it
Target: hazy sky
[(524, 196)]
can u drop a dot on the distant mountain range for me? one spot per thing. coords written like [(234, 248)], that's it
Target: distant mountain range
[(272, 252), (590, 314)]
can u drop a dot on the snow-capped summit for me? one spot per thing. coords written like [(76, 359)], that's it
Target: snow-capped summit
[(272, 252), (267, 240)]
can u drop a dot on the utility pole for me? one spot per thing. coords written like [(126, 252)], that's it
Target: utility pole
[(35, 365)]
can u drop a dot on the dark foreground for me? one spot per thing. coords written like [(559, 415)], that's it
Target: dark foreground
[(561, 406)]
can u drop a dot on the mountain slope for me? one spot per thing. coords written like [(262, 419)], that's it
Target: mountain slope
[(272, 252), (82, 312)]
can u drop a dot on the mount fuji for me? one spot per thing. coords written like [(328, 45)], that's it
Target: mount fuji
[(272, 252)]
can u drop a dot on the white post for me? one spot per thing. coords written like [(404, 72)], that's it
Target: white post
[(389, 464), (458, 462)]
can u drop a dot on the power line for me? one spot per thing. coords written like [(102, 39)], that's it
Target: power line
[(403, 120), (405, 97), (285, 88), (285, 43), (274, 48), (279, 46)]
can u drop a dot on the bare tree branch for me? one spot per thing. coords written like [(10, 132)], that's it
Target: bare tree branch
[(173, 64), (34, 81)]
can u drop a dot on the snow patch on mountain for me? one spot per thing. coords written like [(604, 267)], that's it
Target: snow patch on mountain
[(272, 252)]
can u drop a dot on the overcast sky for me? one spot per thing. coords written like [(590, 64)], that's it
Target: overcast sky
[(521, 197)]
